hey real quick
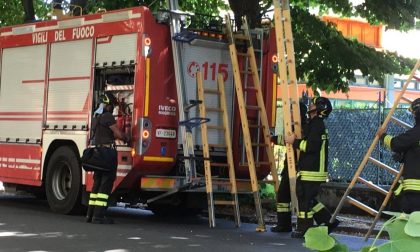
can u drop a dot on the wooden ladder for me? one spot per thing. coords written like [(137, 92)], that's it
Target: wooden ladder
[(243, 107), (289, 88), (367, 157), (219, 94)]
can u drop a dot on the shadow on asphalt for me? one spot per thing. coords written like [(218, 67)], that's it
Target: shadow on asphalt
[(119, 214)]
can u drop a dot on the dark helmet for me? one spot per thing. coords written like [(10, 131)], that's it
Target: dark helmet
[(415, 107), (323, 106), (108, 99)]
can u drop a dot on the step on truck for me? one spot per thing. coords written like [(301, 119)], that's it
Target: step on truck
[(53, 74)]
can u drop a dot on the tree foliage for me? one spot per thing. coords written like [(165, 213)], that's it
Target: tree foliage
[(324, 58)]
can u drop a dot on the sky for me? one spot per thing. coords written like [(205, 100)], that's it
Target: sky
[(405, 43)]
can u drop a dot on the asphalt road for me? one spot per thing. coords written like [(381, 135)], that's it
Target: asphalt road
[(27, 225)]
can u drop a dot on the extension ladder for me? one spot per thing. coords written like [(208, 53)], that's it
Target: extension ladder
[(243, 107), (289, 88), (219, 94), (367, 157), (258, 40)]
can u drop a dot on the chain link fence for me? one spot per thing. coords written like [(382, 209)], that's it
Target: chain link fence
[(351, 132)]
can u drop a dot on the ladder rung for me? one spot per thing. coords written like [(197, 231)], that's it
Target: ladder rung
[(250, 89), (241, 37), (243, 54), (256, 163), (258, 145), (245, 72), (211, 91), (362, 206), (269, 182), (217, 145), (255, 126), (407, 99), (382, 165), (215, 127), (219, 164), (372, 186), (212, 109), (401, 123), (224, 202), (262, 163), (253, 107), (218, 182)]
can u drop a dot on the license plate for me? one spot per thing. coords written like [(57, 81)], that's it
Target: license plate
[(165, 133)]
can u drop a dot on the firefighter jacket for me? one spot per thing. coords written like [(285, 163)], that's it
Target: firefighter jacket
[(407, 143), (313, 160)]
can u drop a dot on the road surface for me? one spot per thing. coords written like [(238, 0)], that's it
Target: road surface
[(27, 224)]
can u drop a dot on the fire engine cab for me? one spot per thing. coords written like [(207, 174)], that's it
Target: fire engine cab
[(52, 75)]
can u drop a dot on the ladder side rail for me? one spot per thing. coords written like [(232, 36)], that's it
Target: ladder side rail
[(373, 145), (206, 153), (232, 176), (245, 85), (291, 67), (385, 202), (245, 127), (285, 102), (400, 95)]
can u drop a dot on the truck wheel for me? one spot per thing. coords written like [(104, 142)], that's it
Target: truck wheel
[(63, 183)]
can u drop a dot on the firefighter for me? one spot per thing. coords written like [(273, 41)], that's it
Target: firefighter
[(284, 214), (105, 130), (407, 147), (312, 168)]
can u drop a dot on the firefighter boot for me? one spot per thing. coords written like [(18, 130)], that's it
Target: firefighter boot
[(99, 216), (332, 226), (89, 214), (303, 224), (91, 206), (322, 217), (284, 222)]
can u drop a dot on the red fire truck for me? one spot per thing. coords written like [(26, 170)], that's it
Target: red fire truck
[(52, 75)]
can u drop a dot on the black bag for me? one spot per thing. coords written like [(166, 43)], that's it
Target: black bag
[(99, 158), (95, 159)]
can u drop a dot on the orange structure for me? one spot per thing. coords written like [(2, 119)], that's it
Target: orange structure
[(365, 33)]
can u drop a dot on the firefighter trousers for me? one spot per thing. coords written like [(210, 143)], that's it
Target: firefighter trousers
[(309, 207), (410, 201), (102, 187), (284, 215)]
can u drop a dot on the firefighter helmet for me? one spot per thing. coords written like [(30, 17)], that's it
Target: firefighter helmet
[(108, 99), (323, 106), (415, 107)]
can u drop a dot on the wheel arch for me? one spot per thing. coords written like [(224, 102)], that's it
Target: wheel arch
[(52, 140), (52, 148)]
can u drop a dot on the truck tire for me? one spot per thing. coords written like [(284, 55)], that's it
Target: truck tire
[(63, 185)]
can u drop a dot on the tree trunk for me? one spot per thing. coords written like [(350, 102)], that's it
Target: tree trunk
[(249, 8), (28, 8), (58, 4), (81, 3)]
